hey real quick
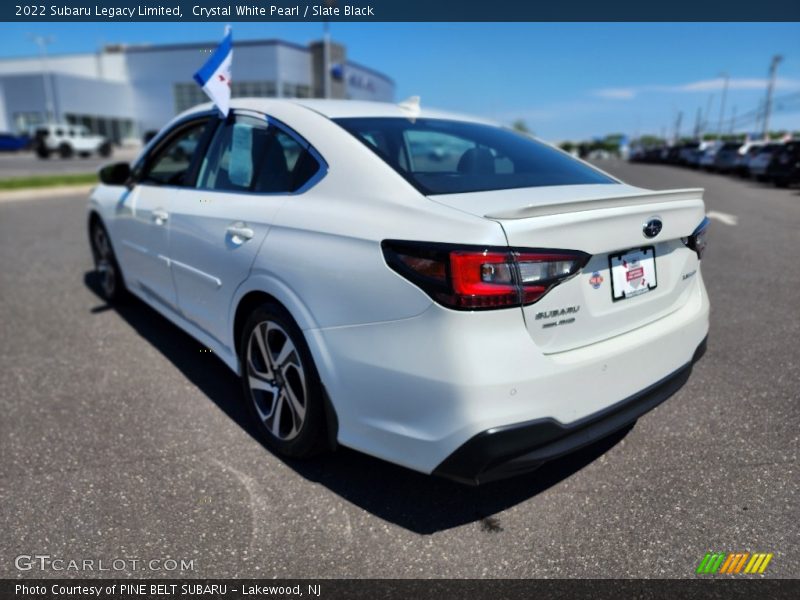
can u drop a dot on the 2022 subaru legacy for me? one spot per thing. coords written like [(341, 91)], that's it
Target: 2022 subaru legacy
[(432, 289)]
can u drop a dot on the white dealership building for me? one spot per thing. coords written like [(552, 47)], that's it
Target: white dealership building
[(123, 91)]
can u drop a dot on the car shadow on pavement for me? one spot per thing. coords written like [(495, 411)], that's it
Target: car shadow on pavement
[(417, 502)]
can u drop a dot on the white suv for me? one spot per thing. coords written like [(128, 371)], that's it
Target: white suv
[(472, 312), (68, 140)]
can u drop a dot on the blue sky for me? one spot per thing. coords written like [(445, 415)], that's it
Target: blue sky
[(567, 81)]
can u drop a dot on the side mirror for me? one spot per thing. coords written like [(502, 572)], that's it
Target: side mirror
[(115, 174)]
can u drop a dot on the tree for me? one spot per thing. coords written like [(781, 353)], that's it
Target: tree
[(650, 140), (521, 126)]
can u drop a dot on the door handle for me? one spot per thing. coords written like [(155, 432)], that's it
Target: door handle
[(239, 233), (160, 216)]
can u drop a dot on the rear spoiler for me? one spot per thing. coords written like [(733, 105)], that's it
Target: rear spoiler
[(558, 208)]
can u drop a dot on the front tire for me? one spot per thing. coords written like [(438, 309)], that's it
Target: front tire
[(282, 389), (65, 151), (105, 265)]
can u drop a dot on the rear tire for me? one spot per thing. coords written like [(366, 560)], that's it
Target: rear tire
[(104, 151), (106, 266), (281, 386), (65, 151)]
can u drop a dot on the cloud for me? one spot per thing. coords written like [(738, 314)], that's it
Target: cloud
[(616, 93), (703, 85)]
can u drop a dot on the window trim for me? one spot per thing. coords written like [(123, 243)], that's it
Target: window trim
[(164, 137), (322, 164)]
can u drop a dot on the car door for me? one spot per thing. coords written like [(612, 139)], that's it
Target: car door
[(143, 214), (250, 169)]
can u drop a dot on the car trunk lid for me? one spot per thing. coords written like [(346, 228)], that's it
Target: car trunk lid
[(606, 221)]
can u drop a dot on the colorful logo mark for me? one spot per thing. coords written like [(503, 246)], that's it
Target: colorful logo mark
[(596, 280), (734, 562)]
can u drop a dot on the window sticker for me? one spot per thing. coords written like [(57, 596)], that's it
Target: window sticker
[(240, 170)]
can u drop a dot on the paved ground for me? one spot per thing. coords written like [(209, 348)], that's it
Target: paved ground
[(119, 439), (23, 164)]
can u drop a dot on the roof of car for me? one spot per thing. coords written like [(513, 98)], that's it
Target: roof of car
[(339, 109)]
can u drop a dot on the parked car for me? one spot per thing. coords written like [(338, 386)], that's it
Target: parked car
[(695, 157), (68, 140), (687, 152), (672, 156), (653, 154), (10, 142), (784, 168), (470, 318), (757, 166), (709, 156), (746, 153), (727, 157)]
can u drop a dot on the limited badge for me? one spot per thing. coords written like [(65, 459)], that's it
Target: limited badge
[(596, 280)]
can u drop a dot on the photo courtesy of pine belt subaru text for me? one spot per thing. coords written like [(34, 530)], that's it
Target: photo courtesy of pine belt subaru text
[(432, 289)]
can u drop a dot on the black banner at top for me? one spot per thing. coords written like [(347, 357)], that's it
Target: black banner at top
[(401, 10)]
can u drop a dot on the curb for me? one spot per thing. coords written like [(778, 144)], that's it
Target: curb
[(61, 191)]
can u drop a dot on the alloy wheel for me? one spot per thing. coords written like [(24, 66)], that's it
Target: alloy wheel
[(104, 262), (276, 380)]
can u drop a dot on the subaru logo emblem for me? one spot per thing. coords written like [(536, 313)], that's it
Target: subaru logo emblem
[(652, 228)]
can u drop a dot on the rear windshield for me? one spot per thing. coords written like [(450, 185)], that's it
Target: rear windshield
[(439, 156)]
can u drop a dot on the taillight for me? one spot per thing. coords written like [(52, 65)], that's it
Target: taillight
[(477, 278), (699, 238)]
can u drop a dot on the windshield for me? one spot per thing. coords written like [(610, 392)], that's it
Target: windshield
[(439, 156)]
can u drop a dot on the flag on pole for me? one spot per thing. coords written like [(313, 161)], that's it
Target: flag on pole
[(215, 76)]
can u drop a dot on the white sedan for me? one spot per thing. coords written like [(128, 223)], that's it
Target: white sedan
[(432, 289)]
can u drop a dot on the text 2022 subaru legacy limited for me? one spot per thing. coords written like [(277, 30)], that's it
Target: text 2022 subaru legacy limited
[(428, 288)]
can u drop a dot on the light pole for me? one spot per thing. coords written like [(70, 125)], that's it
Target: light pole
[(722, 106), (42, 42), (773, 66)]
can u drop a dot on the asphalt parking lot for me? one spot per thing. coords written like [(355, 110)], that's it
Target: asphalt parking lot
[(120, 439), (25, 164)]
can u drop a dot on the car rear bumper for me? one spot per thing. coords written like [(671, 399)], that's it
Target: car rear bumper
[(503, 452), (416, 390)]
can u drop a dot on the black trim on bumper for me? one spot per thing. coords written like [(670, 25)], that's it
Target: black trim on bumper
[(514, 449)]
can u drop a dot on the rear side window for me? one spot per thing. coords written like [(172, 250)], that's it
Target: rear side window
[(445, 157), (252, 155)]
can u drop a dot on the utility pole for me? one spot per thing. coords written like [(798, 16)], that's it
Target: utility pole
[(759, 116), (708, 112), (773, 66), (697, 125), (42, 42), (733, 120), (678, 120), (722, 105)]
